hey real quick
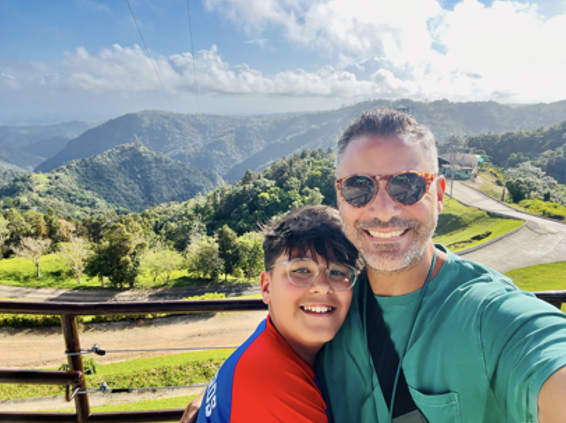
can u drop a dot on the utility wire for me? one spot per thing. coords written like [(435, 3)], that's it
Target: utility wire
[(98, 350), (192, 47), (105, 389), (148, 52)]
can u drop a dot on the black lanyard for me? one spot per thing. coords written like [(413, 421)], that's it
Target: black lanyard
[(385, 358)]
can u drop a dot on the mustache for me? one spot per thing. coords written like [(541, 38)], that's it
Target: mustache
[(394, 222)]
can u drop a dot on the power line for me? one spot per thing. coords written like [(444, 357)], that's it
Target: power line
[(98, 350), (148, 52), (192, 47)]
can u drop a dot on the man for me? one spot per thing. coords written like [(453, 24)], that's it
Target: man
[(471, 346), (310, 269)]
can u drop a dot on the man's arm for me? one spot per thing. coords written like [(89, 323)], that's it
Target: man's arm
[(191, 412), (552, 398)]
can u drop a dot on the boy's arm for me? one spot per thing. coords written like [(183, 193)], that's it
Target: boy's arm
[(191, 412), (552, 398)]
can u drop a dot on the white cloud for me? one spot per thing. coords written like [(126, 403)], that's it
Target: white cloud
[(509, 51), (475, 52)]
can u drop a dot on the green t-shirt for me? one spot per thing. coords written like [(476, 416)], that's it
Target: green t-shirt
[(480, 350)]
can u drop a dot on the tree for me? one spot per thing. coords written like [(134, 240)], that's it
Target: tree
[(250, 253), (527, 181), (33, 249), (227, 249), (160, 260), (4, 233), (75, 254), (203, 257), (118, 256)]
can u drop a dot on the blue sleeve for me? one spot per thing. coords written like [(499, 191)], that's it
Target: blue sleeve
[(217, 402)]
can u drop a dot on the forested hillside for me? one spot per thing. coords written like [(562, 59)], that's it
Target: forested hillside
[(127, 178), (544, 148), (231, 145)]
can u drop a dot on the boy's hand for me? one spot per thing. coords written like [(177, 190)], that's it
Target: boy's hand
[(191, 412)]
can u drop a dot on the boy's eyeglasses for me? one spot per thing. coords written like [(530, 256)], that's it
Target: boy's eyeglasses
[(406, 187), (304, 271)]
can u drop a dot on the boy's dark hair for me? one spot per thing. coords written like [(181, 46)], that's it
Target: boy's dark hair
[(311, 229)]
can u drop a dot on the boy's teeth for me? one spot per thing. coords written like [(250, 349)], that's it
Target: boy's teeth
[(318, 309), (379, 234)]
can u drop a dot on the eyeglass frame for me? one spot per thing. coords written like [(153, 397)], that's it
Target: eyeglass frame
[(429, 178), (355, 272)]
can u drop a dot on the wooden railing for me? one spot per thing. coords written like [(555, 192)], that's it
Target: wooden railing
[(74, 379)]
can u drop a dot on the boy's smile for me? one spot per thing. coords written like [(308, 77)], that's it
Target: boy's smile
[(306, 316)]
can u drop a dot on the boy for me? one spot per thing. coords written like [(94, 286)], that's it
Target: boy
[(310, 269)]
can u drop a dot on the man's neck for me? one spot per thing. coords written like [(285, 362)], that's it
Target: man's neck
[(407, 280)]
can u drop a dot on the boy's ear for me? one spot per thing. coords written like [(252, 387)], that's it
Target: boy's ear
[(265, 286)]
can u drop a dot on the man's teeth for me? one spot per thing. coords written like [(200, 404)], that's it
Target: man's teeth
[(379, 234), (318, 309)]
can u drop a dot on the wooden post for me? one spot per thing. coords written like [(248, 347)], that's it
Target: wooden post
[(72, 345)]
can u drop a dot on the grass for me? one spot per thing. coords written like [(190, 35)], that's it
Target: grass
[(17, 271), (541, 277), (461, 227), (169, 370), (145, 405), (490, 181)]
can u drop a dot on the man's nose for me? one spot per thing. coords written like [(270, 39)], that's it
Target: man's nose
[(382, 206)]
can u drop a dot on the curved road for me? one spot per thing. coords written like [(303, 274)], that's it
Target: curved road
[(539, 241)]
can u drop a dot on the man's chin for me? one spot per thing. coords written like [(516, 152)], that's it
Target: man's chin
[(388, 259)]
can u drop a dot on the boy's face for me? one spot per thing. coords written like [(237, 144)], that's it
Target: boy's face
[(306, 316)]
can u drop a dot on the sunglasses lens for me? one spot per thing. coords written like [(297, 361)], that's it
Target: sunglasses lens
[(407, 188), (358, 190)]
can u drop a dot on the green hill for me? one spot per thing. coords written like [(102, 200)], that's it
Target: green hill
[(126, 178)]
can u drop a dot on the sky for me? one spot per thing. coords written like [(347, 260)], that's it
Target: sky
[(93, 60)]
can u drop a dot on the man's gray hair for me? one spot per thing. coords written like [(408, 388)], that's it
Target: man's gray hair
[(390, 123)]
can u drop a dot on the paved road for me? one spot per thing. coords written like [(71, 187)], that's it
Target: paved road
[(105, 295), (538, 241)]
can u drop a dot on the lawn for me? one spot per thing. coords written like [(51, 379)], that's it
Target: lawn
[(541, 277), (461, 227)]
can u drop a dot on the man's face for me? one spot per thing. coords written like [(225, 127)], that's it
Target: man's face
[(306, 317), (389, 235)]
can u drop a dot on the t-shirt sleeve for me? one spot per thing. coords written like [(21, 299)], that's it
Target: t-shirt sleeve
[(524, 342), (275, 389)]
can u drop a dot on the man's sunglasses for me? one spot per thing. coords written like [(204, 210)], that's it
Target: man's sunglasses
[(406, 187)]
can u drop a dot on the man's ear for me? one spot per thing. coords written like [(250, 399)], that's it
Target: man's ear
[(265, 286), (440, 190)]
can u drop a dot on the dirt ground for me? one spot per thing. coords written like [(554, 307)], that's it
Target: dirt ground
[(38, 349)]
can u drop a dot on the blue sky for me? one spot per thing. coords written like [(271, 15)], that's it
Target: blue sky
[(84, 59)]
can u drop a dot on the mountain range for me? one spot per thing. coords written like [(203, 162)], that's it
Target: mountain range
[(141, 159)]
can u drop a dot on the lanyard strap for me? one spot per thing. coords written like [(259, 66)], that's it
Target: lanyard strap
[(385, 359)]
